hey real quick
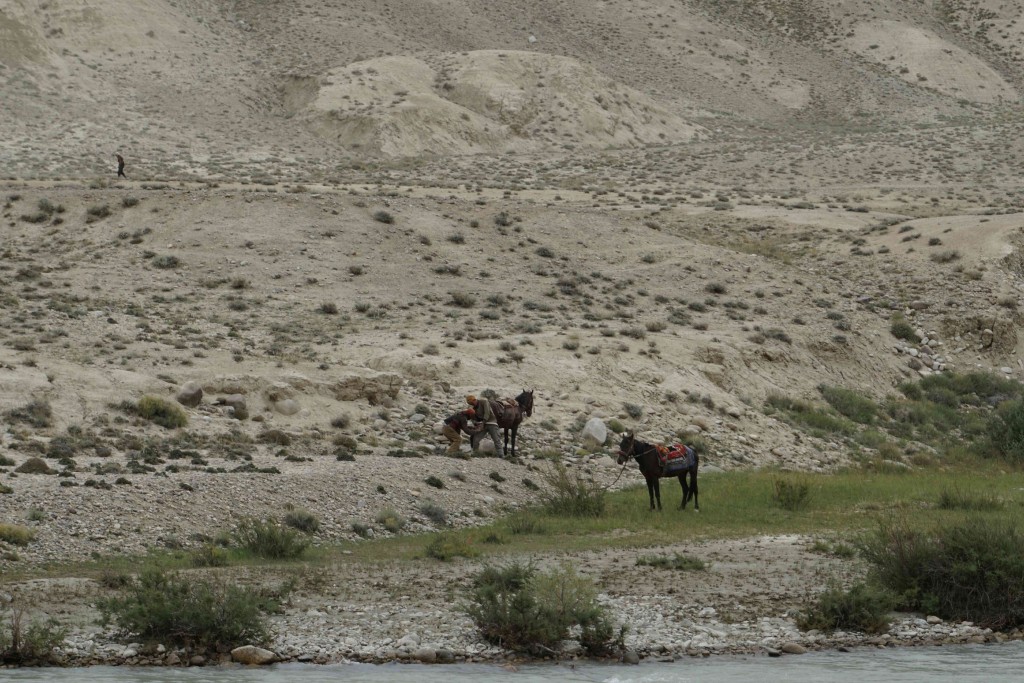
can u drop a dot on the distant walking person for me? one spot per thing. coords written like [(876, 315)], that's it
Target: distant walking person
[(120, 167)]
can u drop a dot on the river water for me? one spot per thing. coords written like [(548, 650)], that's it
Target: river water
[(949, 664)]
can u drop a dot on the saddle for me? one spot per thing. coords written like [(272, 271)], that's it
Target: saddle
[(503, 405), (675, 458)]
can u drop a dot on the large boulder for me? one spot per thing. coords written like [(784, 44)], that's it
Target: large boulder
[(288, 406), (190, 395), (250, 654), (594, 432)]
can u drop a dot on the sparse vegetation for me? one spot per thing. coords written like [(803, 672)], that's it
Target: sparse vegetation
[(519, 608), (178, 610), (158, 410), (270, 540)]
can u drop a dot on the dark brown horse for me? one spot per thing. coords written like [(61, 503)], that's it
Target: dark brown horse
[(646, 456), (510, 416)]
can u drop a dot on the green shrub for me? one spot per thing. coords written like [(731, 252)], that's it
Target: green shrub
[(972, 570), (633, 410), (161, 412), (850, 404), (1006, 432), (901, 329), (34, 466), (210, 555), (791, 493), (434, 512), (462, 299), (571, 495), (303, 520), (31, 643), (36, 412), (446, 546), (270, 540), (434, 481), (516, 607), (383, 217), (166, 262), (391, 520), (187, 611), (862, 608), (15, 534)]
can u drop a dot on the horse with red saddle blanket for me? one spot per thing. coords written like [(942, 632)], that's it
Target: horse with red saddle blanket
[(657, 461)]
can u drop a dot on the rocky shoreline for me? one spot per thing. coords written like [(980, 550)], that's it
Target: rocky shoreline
[(745, 603), (768, 637)]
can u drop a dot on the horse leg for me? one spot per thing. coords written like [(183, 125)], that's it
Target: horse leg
[(651, 483), (657, 492), (515, 430), (686, 491), (693, 489)]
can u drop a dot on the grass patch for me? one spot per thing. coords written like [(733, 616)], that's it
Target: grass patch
[(444, 547), (678, 562), (15, 534)]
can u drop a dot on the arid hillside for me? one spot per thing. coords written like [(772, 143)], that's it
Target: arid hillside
[(225, 90), (342, 217)]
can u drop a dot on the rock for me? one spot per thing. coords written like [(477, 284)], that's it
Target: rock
[(197, 660), (238, 405), (369, 384), (594, 432), (734, 412), (250, 654), (288, 406), (932, 619), (416, 418), (772, 652), (172, 659), (630, 657), (427, 655), (486, 447), (190, 395), (792, 648), (445, 656), (409, 640), (603, 461)]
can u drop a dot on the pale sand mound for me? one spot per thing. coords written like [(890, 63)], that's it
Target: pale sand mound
[(487, 101), (975, 239), (924, 58)]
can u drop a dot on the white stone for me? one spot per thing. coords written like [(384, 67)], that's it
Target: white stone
[(594, 432)]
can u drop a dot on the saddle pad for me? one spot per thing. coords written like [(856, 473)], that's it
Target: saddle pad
[(678, 457)]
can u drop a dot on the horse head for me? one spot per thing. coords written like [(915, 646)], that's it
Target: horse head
[(626, 447), (525, 401)]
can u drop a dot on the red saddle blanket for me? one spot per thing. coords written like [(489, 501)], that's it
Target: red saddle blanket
[(676, 456)]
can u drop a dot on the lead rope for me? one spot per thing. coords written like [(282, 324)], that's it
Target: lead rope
[(605, 488)]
